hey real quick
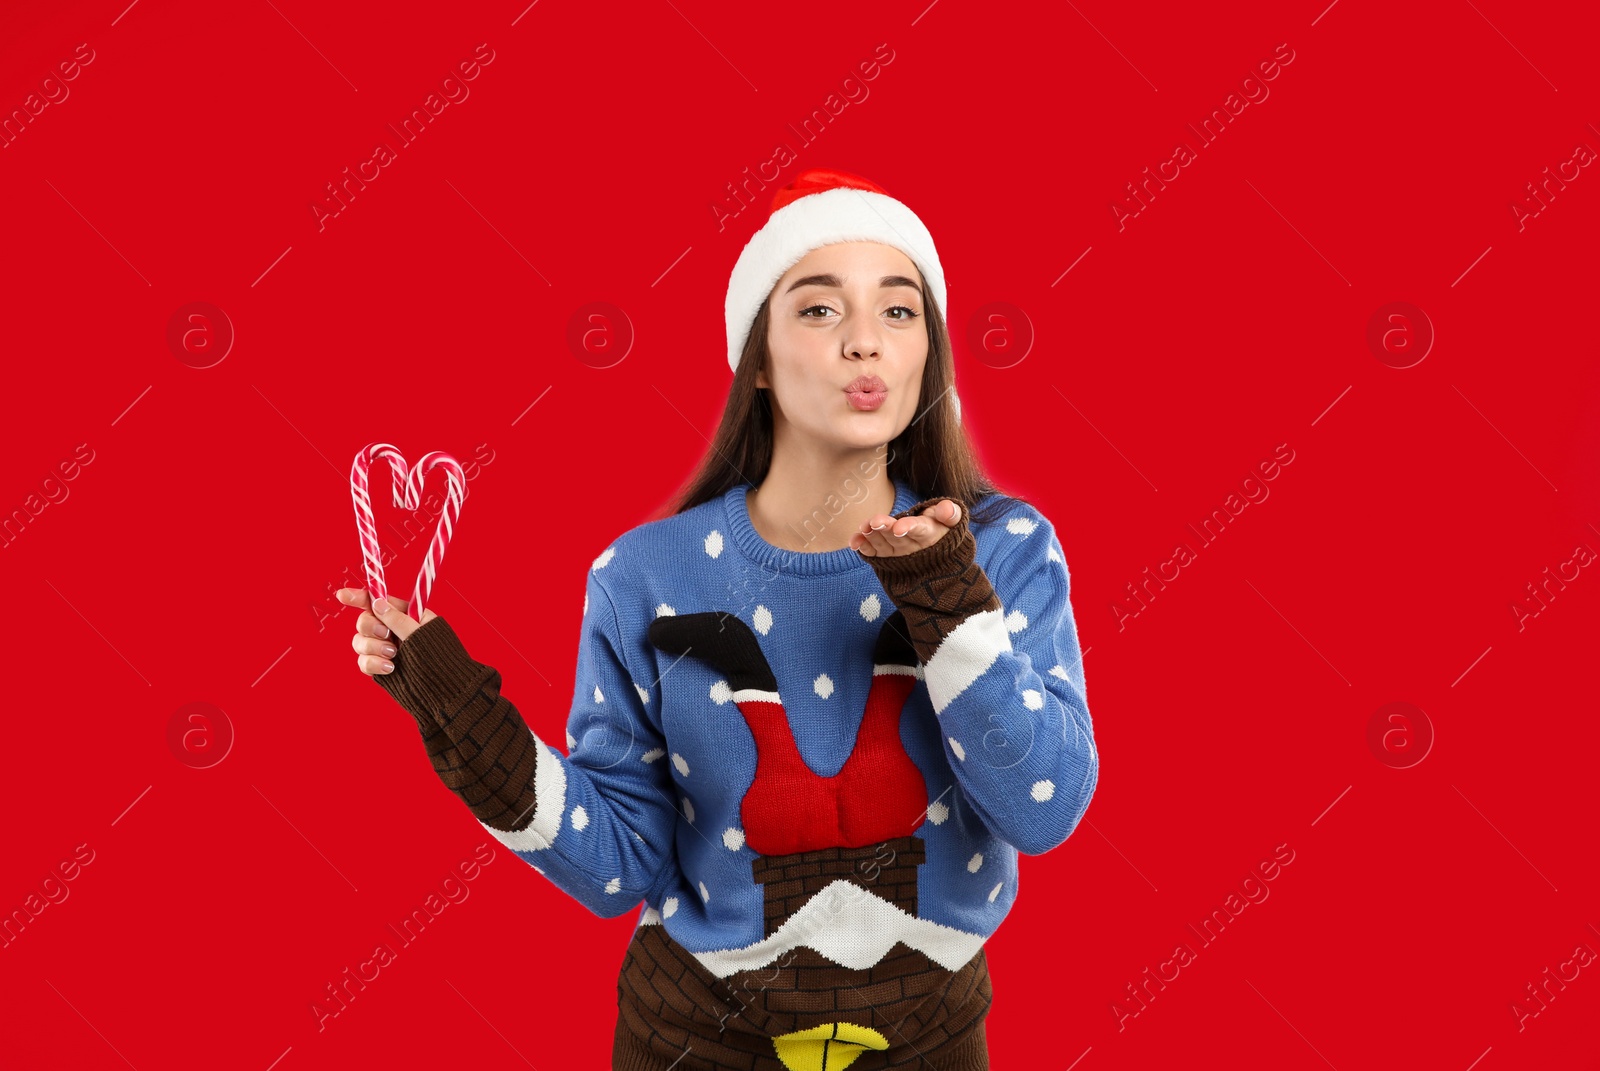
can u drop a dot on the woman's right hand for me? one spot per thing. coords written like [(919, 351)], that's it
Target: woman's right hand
[(377, 634)]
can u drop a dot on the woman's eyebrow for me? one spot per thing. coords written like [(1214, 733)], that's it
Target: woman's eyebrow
[(829, 279)]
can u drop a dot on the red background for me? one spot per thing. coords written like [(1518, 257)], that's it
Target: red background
[(190, 560)]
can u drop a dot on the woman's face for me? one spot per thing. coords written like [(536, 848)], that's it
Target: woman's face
[(846, 310)]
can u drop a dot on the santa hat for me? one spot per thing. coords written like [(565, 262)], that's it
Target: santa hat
[(820, 207)]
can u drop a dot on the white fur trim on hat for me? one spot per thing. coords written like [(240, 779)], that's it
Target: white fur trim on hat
[(841, 214)]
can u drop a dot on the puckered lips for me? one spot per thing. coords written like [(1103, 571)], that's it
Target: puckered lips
[(866, 393)]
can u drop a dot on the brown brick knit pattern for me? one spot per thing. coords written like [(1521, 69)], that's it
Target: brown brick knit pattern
[(479, 745), (670, 1008), (628, 1053), (937, 587)]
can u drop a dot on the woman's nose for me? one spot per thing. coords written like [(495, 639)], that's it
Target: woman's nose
[(863, 342)]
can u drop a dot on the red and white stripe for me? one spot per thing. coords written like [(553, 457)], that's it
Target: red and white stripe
[(407, 495)]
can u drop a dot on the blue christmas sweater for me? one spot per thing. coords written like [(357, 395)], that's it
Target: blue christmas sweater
[(816, 772)]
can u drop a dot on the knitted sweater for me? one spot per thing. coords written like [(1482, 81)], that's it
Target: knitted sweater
[(815, 771)]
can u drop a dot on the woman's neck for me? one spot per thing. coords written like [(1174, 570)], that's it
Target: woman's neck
[(817, 507)]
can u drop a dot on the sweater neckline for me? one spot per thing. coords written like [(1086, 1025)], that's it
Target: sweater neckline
[(802, 562)]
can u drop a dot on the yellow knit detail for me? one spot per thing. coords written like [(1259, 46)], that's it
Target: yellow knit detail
[(833, 1046)]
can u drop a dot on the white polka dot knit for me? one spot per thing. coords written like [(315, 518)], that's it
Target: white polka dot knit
[(749, 725)]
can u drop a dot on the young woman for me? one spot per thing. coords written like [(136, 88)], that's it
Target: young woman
[(821, 705)]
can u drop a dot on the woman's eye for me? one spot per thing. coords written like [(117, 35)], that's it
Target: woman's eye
[(910, 314), (813, 307)]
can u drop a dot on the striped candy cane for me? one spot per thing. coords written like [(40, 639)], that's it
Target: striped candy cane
[(407, 495)]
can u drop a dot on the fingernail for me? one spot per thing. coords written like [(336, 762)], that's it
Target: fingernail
[(380, 607), (388, 650), (388, 667), (383, 631)]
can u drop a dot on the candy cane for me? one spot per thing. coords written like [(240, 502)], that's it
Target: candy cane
[(407, 483)]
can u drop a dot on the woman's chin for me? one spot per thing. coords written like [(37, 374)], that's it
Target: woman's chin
[(863, 431)]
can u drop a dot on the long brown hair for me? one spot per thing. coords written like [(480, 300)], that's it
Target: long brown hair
[(933, 454)]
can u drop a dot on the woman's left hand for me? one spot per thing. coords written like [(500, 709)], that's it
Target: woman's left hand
[(884, 536)]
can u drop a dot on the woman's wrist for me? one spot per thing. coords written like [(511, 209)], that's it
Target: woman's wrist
[(433, 672), (938, 586)]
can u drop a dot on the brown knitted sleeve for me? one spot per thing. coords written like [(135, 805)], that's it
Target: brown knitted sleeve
[(479, 745), (937, 587)]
